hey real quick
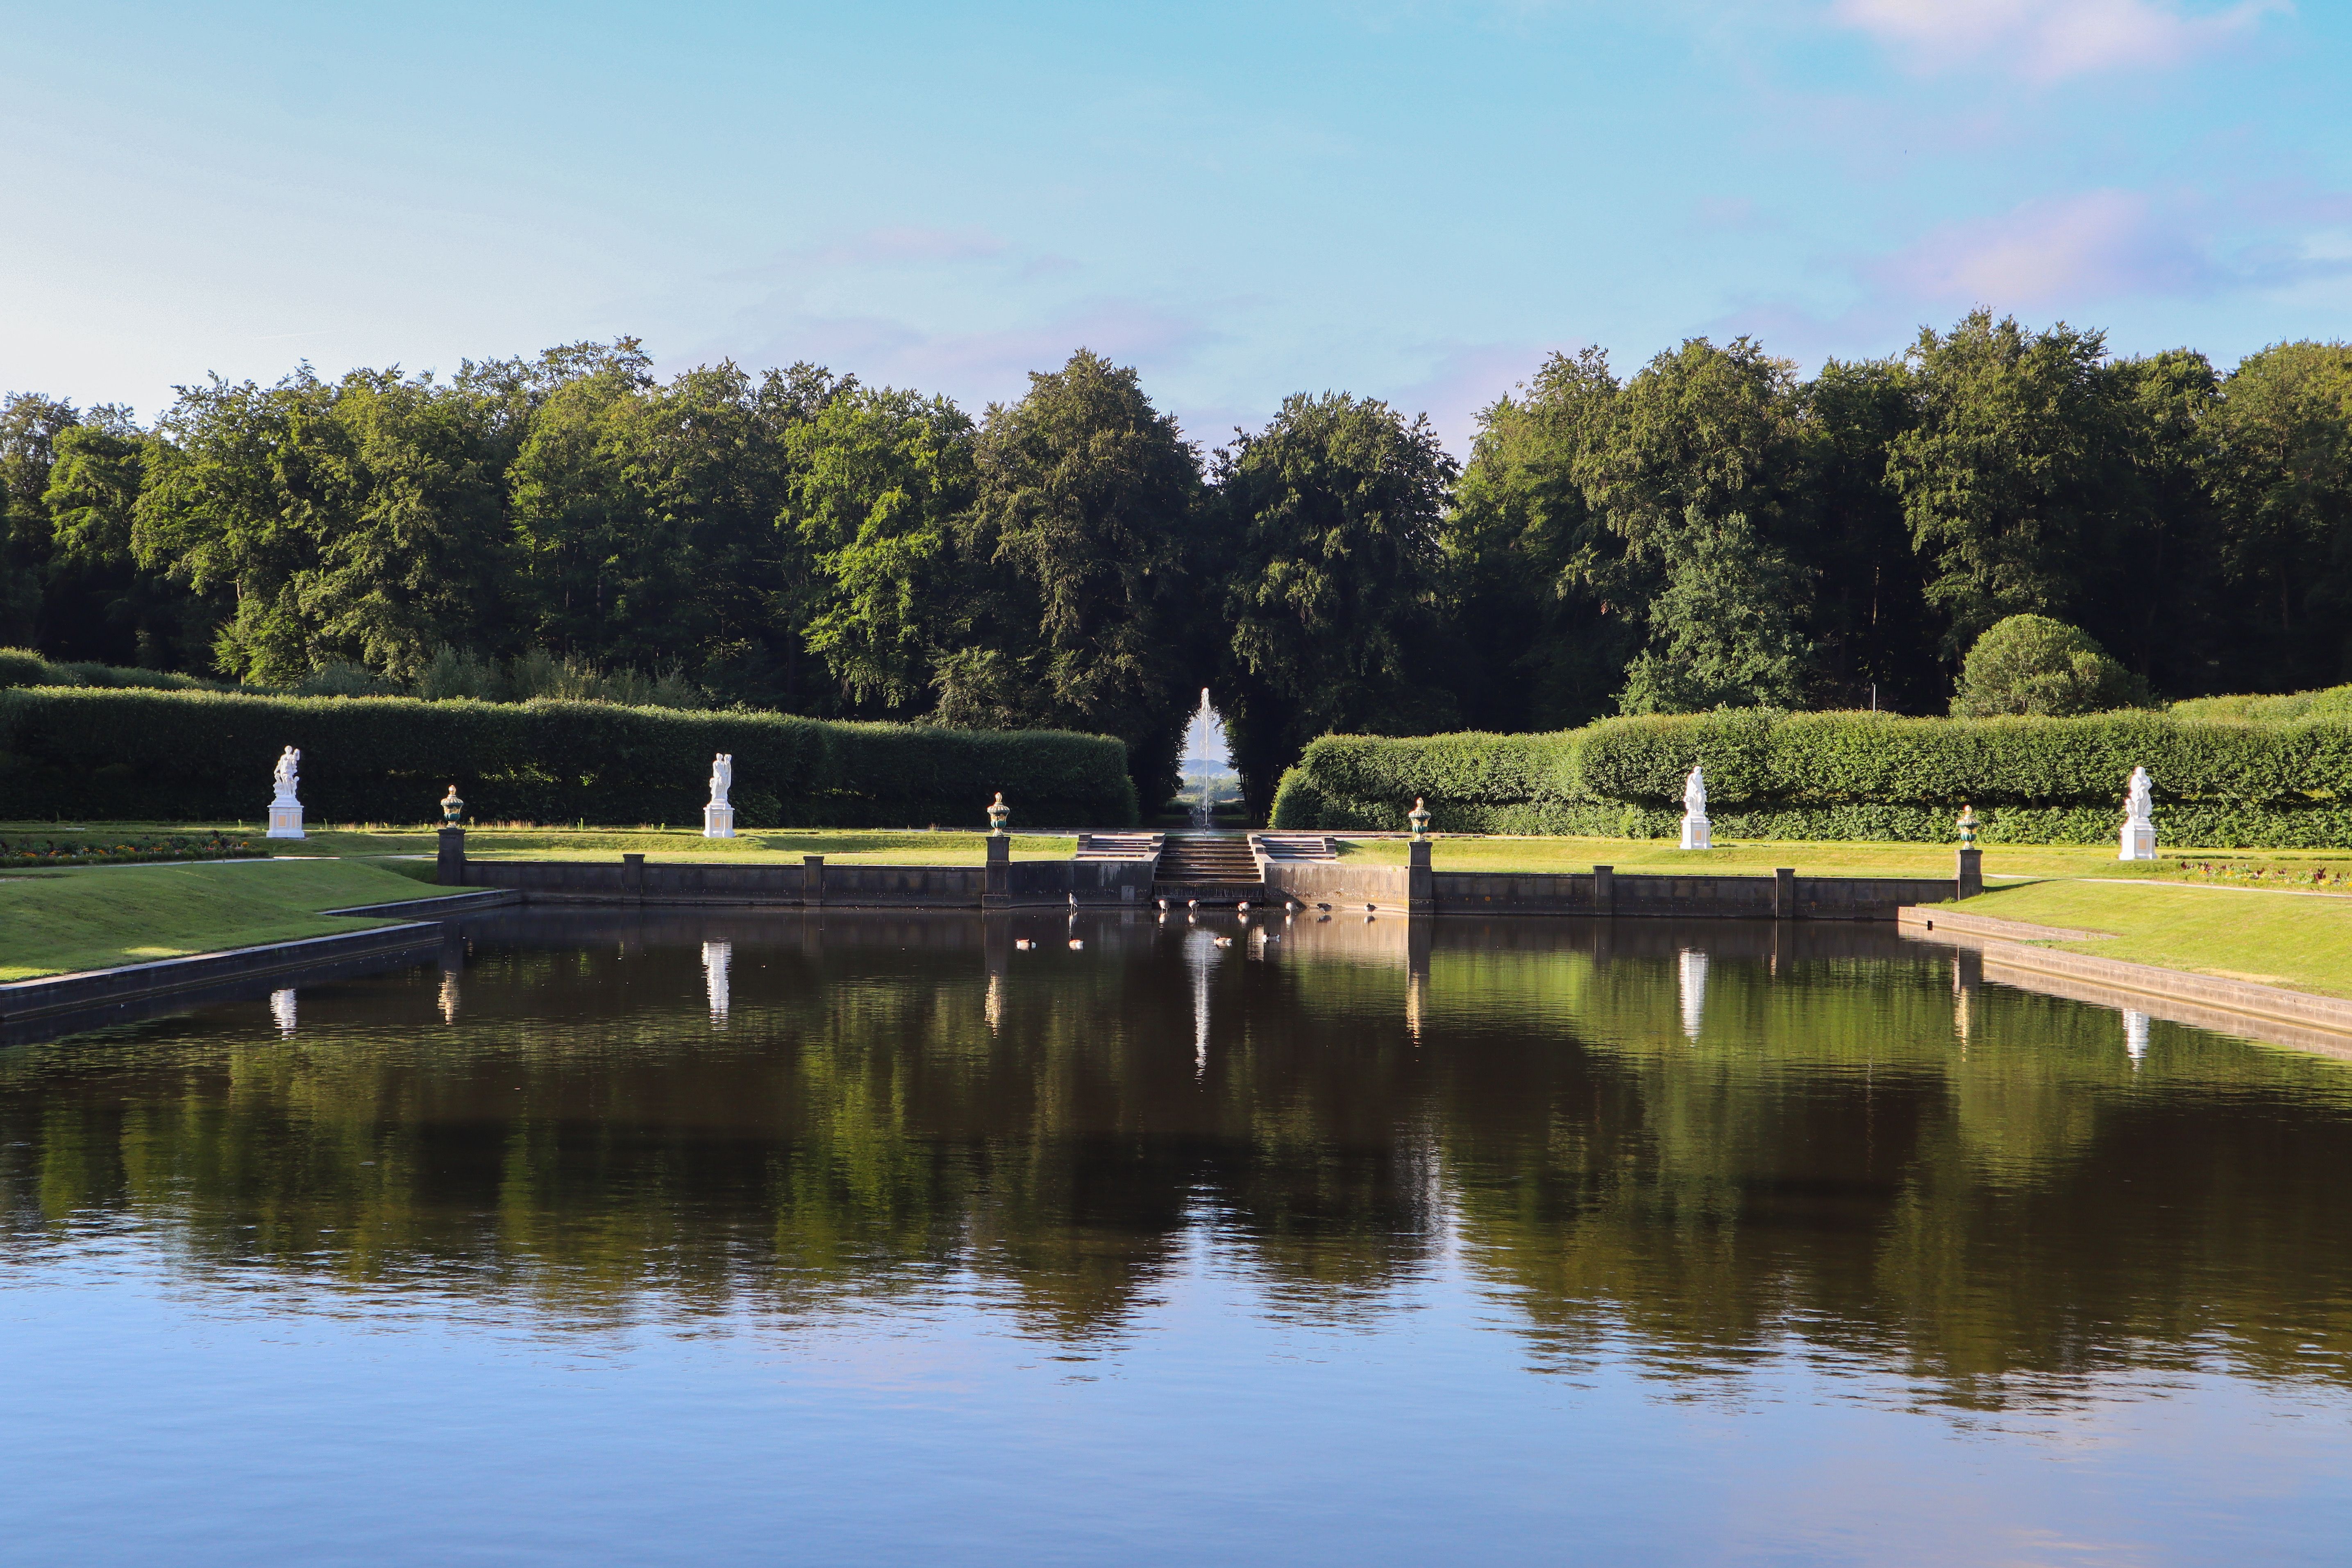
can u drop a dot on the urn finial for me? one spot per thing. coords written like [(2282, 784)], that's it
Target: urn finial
[(997, 813), (1418, 817)]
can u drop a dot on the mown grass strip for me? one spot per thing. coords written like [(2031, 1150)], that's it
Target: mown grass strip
[(57, 923)]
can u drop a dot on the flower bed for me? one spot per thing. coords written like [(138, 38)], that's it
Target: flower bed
[(29, 852)]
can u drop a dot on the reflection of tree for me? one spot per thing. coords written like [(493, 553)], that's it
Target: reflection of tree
[(1828, 1164)]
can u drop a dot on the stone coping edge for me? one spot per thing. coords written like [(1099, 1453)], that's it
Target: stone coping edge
[(2248, 998), (439, 905), (1943, 918), (22, 999)]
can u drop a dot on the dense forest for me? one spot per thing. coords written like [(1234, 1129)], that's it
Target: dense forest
[(1712, 530)]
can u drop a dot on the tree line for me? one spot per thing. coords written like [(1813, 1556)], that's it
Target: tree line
[(1712, 530)]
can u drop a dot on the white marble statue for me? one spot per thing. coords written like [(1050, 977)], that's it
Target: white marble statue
[(719, 816), (285, 803), (2139, 819), (1697, 833)]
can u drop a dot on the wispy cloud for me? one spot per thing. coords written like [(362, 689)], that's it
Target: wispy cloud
[(2097, 244), (900, 244), (2073, 256), (975, 367), (2051, 40)]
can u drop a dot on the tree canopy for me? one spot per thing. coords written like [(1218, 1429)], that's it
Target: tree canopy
[(1714, 529)]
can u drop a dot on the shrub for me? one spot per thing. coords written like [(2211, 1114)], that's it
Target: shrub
[(2033, 665), (2330, 702), (166, 757), (22, 667), (1846, 775)]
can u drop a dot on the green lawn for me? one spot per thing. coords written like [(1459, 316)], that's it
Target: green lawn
[(94, 916), (1756, 857), (2303, 940), (885, 846)]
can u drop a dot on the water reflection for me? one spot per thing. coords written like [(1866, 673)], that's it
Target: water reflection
[(1698, 1145)]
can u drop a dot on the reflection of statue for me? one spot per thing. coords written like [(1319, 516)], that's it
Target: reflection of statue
[(2140, 824), (1697, 833)]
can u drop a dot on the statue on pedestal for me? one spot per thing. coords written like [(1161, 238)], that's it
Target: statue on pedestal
[(286, 804), (997, 813), (1419, 818), (452, 810), (1697, 832), (2139, 822), (719, 816)]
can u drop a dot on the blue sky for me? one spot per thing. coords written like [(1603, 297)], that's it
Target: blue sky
[(1413, 201)]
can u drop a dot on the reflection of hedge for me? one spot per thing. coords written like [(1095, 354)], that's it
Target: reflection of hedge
[(199, 756), (1848, 775)]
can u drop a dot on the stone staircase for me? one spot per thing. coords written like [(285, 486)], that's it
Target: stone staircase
[(1212, 868), (1294, 846), (1118, 845)]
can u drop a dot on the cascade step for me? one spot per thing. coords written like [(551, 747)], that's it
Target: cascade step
[(1206, 860)]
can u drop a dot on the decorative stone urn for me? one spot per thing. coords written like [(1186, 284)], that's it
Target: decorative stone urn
[(452, 810), (286, 804), (997, 814), (1418, 817), (1967, 826)]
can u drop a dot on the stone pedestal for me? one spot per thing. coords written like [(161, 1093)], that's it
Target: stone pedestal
[(1696, 834), (285, 819), (719, 822), (1421, 879), (1969, 874), (449, 867), (996, 881), (2138, 842)]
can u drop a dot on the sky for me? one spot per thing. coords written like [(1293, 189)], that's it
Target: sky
[(1416, 202)]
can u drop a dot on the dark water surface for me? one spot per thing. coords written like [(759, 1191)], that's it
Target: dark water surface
[(872, 1239)]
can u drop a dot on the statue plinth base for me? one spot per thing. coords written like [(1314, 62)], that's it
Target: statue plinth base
[(2138, 842), (719, 822), (285, 821), (1697, 833)]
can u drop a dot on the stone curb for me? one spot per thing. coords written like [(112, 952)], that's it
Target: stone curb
[(90, 989), (441, 906), (1940, 918), (2246, 998)]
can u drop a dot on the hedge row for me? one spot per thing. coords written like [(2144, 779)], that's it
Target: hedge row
[(1847, 776), (202, 756)]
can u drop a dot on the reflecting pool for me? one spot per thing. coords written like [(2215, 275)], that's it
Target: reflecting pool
[(610, 1238)]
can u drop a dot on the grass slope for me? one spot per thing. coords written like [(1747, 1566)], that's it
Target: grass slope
[(894, 848), (2303, 940), (1850, 859), (55, 922)]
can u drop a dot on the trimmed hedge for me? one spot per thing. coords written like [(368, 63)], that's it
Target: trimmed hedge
[(199, 756), (1848, 775), (23, 666)]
